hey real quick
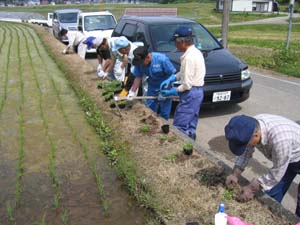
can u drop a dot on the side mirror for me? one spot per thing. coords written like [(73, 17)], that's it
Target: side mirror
[(79, 28), (220, 40), (55, 20)]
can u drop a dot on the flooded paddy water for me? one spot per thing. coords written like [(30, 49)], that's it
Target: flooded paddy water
[(52, 170)]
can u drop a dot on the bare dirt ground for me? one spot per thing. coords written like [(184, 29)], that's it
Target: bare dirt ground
[(186, 188)]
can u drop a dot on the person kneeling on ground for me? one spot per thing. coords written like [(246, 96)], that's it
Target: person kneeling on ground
[(76, 41), (157, 67), (108, 67), (103, 55), (122, 50), (278, 138)]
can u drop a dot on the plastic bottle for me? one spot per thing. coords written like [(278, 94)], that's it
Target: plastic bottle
[(220, 218)]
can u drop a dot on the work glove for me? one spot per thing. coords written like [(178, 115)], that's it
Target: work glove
[(102, 74), (64, 51), (171, 92), (99, 69), (232, 220), (131, 95), (231, 181), (167, 82), (161, 98), (249, 191)]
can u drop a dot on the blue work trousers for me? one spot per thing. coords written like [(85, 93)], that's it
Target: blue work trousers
[(164, 106), (280, 189), (187, 111)]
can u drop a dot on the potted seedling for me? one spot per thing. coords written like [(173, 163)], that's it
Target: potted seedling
[(188, 148)]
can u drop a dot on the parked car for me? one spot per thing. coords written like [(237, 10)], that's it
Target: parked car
[(64, 18), (227, 78), (97, 24)]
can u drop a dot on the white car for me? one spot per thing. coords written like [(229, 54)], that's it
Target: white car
[(96, 24)]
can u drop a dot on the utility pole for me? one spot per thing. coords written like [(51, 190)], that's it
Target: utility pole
[(291, 9), (225, 22), (100, 5)]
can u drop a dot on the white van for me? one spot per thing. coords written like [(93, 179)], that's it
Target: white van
[(96, 24), (64, 18)]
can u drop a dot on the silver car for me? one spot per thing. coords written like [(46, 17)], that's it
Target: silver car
[(64, 18)]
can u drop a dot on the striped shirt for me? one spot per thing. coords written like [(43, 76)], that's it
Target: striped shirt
[(280, 143), (192, 69)]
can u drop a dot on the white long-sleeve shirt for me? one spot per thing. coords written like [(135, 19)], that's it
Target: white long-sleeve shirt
[(280, 143), (74, 38), (192, 69)]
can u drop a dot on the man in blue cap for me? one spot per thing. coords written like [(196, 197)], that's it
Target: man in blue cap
[(157, 67), (278, 138), (191, 75)]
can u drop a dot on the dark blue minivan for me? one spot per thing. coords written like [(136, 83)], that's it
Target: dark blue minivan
[(227, 78)]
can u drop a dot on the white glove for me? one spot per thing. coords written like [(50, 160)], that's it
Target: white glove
[(99, 69), (131, 95), (103, 74), (64, 51)]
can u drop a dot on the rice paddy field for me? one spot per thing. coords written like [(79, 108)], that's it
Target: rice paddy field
[(52, 170)]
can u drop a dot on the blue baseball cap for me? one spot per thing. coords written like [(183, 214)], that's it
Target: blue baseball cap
[(239, 132), (120, 42), (182, 32), (93, 41)]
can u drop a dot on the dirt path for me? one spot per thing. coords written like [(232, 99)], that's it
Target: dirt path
[(52, 169)]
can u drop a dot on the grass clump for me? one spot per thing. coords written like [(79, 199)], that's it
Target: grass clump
[(172, 157), (228, 195), (145, 129)]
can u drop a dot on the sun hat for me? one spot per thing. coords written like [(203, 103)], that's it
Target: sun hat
[(182, 31), (140, 53), (239, 132), (120, 42)]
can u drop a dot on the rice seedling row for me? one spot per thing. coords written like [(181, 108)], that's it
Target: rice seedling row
[(8, 197), (53, 147), (3, 32), (21, 151), (5, 78), (84, 146)]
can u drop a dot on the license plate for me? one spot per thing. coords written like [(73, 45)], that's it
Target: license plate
[(221, 96)]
